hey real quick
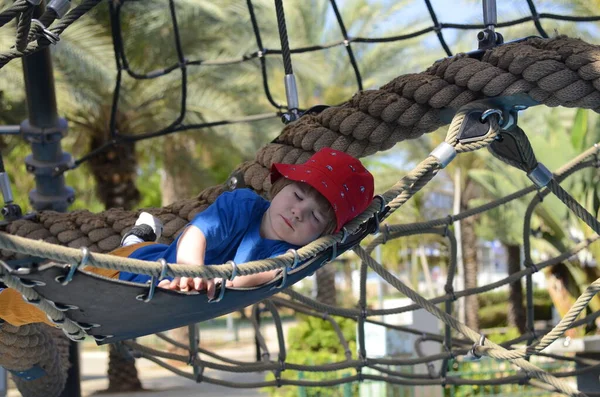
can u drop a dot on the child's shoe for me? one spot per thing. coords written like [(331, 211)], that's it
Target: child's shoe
[(146, 228)]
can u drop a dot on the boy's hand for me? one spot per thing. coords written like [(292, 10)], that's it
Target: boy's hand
[(192, 284)]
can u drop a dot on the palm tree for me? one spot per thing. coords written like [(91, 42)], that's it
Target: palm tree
[(553, 146)]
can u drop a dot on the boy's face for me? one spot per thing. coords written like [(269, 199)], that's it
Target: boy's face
[(295, 215)]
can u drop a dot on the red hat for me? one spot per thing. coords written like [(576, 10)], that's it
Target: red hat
[(339, 177)]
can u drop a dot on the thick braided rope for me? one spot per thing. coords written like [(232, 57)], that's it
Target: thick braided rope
[(418, 178), (30, 345), (548, 70), (493, 351)]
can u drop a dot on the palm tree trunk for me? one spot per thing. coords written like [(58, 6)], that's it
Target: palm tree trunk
[(469, 249), (516, 311), (122, 373), (326, 292)]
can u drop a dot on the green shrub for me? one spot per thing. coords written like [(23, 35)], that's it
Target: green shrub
[(313, 341)]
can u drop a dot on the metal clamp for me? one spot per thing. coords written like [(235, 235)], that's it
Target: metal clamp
[(444, 153), (73, 267), (60, 7), (53, 38), (540, 175)]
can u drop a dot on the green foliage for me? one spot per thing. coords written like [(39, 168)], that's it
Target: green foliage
[(493, 308), (313, 341), (488, 368)]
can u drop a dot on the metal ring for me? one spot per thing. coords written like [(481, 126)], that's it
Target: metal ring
[(345, 235), (296, 257), (284, 274), (234, 271), (61, 307), (480, 343), (100, 338), (489, 112), (377, 214), (72, 268), (87, 326), (333, 252), (53, 38), (223, 283), (31, 283), (148, 297), (164, 268)]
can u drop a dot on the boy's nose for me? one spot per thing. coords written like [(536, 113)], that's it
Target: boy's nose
[(298, 212)]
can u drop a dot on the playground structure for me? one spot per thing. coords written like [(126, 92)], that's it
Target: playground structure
[(490, 85)]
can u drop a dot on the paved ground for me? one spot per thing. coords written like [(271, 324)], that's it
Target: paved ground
[(160, 382)]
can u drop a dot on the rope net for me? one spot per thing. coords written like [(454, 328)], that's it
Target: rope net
[(555, 72)]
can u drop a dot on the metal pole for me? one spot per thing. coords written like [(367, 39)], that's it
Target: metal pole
[(44, 131), (489, 14)]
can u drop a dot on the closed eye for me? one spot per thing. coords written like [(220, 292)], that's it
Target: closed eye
[(298, 196), (316, 217)]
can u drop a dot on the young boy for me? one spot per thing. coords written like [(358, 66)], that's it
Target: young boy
[(308, 200)]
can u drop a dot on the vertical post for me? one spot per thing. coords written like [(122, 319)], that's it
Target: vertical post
[(460, 268), (489, 14), (44, 131)]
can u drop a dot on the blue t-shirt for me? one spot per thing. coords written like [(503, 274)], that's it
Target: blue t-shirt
[(231, 226)]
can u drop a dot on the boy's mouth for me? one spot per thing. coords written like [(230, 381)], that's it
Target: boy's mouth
[(287, 222)]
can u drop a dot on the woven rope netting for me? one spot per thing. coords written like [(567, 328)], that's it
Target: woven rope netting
[(558, 71)]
